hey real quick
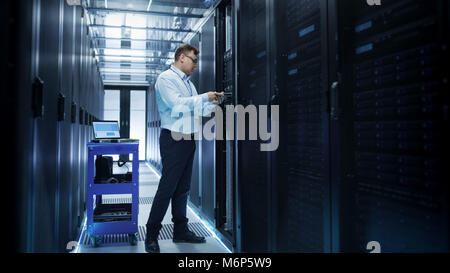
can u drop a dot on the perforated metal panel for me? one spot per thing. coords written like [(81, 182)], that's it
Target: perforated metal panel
[(166, 233), (142, 200)]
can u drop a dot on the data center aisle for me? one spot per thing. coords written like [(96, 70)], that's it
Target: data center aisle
[(148, 184)]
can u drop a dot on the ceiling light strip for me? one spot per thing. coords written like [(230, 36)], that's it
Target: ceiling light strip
[(168, 3), (132, 63), (144, 12), (132, 56), (125, 83), (132, 70), (143, 28), (136, 49), (138, 40)]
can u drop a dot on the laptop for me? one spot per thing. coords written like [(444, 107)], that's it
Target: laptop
[(109, 132)]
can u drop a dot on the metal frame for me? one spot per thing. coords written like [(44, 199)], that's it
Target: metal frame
[(129, 74), (271, 43), (118, 87), (103, 228), (334, 134), (238, 196), (134, 49), (327, 206), (127, 69), (89, 10), (133, 56), (167, 3), (123, 83), (131, 62), (142, 28), (136, 40), (143, 12), (202, 21)]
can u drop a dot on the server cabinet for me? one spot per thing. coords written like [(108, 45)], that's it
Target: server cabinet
[(64, 132), (254, 171), (124, 118), (195, 191), (225, 148), (362, 126), (335, 168), (202, 192), (46, 84), (75, 123), (83, 115), (154, 123), (148, 127), (304, 177), (150, 138), (207, 83), (393, 119), (153, 131), (44, 131), (158, 134)]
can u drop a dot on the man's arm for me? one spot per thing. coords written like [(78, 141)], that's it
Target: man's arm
[(208, 107), (170, 94)]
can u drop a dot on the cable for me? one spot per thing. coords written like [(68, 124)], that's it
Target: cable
[(112, 180), (124, 162)]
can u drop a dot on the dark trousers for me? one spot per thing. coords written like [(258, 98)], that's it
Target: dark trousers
[(177, 158)]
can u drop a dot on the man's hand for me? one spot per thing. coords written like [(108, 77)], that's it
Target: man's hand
[(215, 97)]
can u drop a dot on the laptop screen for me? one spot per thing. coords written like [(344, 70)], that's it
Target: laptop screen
[(106, 129)]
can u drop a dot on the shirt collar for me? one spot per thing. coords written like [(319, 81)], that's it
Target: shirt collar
[(180, 73)]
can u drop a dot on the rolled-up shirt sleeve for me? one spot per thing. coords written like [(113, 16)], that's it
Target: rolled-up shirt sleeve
[(168, 91)]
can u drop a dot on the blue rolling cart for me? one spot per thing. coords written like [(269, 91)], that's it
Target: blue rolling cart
[(124, 217)]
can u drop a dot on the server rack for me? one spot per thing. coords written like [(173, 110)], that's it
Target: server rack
[(326, 58), (154, 124), (195, 192), (75, 125), (363, 118), (254, 88), (304, 177), (44, 148), (392, 100), (207, 73), (64, 170), (226, 149), (47, 80), (203, 190)]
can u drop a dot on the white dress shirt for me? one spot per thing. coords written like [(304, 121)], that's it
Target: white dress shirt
[(179, 104)]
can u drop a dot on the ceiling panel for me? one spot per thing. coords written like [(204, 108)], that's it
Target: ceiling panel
[(135, 40)]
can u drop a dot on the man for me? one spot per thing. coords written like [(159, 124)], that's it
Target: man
[(178, 103)]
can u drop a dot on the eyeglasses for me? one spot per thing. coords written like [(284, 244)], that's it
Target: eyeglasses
[(195, 61)]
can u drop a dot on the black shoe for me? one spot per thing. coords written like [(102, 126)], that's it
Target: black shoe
[(189, 237), (151, 246)]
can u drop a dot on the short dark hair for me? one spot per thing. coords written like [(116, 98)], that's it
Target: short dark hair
[(185, 48)]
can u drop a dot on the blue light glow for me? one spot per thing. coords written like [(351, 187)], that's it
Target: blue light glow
[(83, 230), (210, 229)]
